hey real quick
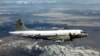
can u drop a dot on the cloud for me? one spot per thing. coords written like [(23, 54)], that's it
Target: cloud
[(29, 1), (54, 12), (4, 20), (50, 1), (62, 16), (23, 46), (76, 23), (69, 51), (70, 19)]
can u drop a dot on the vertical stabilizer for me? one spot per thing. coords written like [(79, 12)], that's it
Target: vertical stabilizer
[(20, 26)]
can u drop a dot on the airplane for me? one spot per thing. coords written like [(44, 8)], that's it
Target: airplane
[(58, 34)]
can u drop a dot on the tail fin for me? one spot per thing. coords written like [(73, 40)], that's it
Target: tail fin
[(20, 26)]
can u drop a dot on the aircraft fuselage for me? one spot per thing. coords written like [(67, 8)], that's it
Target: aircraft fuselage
[(50, 33)]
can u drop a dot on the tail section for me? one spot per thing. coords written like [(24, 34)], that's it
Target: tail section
[(20, 26)]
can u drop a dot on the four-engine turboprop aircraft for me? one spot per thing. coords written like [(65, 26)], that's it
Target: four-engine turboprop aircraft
[(47, 34)]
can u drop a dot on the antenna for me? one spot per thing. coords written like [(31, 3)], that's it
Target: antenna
[(65, 26)]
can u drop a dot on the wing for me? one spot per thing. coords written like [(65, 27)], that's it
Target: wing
[(56, 37), (62, 38)]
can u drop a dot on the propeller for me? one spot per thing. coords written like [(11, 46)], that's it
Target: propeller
[(71, 36)]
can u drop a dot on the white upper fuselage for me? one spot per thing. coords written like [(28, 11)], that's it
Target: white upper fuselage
[(46, 32)]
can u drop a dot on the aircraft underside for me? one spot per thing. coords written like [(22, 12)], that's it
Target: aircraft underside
[(62, 38)]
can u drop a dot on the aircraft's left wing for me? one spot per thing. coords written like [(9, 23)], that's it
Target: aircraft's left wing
[(62, 37)]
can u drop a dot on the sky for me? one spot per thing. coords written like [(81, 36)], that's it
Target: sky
[(80, 12), (54, 1)]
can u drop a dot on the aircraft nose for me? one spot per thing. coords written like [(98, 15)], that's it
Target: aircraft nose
[(84, 34), (10, 32)]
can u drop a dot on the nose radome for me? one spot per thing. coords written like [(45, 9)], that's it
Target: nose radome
[(84, 34), (10, 32)]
